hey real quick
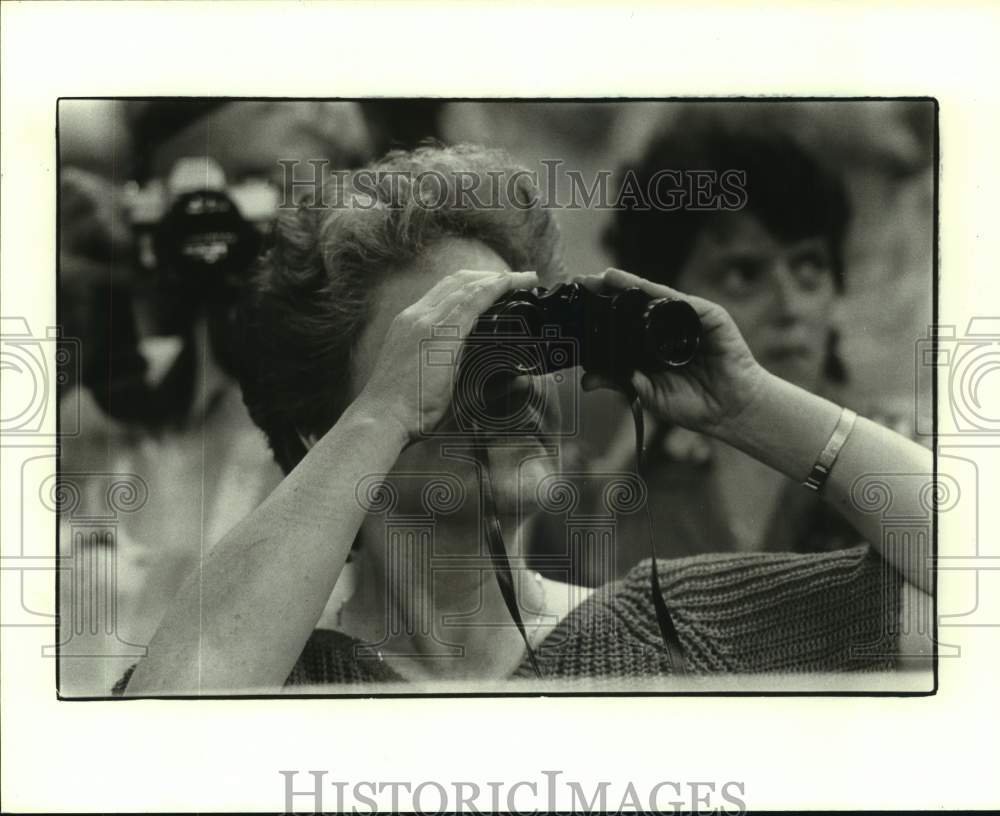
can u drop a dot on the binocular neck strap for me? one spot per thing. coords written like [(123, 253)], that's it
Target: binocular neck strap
[(671, 640), (498, 553), (501, 563)]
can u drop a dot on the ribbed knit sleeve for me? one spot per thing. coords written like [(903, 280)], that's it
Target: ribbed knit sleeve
[(834, 611), (736, 613)]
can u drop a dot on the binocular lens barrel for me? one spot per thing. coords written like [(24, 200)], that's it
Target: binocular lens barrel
[(672, 332), (613, 333)]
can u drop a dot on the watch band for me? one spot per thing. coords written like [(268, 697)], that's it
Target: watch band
[(824, 464)]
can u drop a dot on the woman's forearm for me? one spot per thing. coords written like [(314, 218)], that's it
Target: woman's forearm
[(242, 619), (787, 427)]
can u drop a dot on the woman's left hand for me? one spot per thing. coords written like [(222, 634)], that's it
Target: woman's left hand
[(713, 390)]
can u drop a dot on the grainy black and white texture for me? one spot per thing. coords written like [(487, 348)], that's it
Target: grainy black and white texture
[(163, 458)]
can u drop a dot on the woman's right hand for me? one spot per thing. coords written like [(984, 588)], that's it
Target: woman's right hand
[(402, 386)]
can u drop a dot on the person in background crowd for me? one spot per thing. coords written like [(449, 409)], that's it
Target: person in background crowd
[(775, 262), (158, 399)]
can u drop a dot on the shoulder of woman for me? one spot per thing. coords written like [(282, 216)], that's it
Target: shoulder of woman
[(686, 578), (773, 611)]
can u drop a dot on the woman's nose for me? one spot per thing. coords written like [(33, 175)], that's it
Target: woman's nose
[(791, 299)]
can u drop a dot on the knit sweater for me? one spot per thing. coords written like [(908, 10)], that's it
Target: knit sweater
[(734, 613)]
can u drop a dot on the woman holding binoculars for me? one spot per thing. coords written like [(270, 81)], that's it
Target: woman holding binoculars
[(338, 318)]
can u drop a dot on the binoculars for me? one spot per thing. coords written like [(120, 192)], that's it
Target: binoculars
[(612, 333), (540, 331)]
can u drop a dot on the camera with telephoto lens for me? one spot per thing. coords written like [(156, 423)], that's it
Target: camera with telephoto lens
[(531, 332), (197, 233), (196, 238)]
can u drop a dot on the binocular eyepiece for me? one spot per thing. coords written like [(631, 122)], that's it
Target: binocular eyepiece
[(613, 333)]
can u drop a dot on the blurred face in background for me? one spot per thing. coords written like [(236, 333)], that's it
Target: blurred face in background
[(781, 294)]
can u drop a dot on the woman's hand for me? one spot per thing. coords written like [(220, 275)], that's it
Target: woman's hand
[(402, 386), (711, 392)]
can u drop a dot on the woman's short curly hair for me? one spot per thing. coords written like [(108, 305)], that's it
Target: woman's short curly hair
[(311, 294)]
